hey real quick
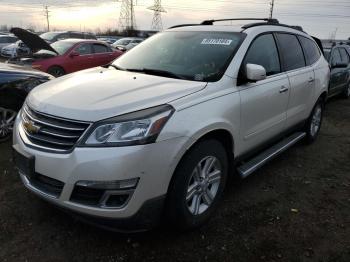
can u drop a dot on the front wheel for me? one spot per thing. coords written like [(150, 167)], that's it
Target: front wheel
[(7, 119), (197, 185), (56, 71), (313, 125)]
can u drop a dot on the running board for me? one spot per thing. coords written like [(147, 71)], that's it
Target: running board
[(249, 167)]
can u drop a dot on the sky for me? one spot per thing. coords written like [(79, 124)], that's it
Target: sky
[(321, 18)]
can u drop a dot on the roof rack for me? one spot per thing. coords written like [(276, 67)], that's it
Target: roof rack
[(264, 21), (268, 20)]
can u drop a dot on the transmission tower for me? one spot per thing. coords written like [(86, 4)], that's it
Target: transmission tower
[(127, 16), (272, 5), (47, 15), (157, 23)]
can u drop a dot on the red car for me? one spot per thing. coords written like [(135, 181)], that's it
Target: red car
[(66, 56)]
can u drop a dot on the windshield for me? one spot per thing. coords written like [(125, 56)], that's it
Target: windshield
[(61, 47), (122, 42), (48, 36), (197, 56)]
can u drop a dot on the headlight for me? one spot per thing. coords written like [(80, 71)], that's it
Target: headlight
[(137, 128)]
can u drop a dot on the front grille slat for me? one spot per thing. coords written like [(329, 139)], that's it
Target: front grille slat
[(50, 132)]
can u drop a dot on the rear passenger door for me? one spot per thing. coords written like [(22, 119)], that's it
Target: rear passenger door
[(263, 103), (301, 78), (102, 54)]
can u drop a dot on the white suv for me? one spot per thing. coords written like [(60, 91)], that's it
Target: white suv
[(158, 132)]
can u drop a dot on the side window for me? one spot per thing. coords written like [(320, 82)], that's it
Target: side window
[(344, 55), (264, 52), (292, 54), (84, 49), (99, 48), (311, 51), (336, 58)]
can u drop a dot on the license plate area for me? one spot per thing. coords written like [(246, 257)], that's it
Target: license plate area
[(25, 163)]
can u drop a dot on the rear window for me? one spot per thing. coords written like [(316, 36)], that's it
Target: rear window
[(344, 55), (292, 53), (100, 48), (311, 51)]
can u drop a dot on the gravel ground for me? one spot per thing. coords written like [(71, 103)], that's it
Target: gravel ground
[(296, 208)]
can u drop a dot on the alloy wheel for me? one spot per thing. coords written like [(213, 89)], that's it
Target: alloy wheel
[(7, 119), (203, 185), (316, 120)]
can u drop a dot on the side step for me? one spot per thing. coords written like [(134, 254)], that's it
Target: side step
[(255, 163)]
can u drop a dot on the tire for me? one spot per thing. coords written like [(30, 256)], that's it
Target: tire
[(9, 107), (346, 93), (56, 71), (314, 123), (192, 199)]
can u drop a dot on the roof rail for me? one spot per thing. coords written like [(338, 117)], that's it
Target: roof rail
[(268, 20), (183, 25), (296, 27)]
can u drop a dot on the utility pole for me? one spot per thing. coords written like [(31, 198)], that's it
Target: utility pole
[(157, 23), (127, 19), (47, 15), (272, 5)]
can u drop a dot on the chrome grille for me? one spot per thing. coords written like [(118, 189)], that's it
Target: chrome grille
[(49, 132)]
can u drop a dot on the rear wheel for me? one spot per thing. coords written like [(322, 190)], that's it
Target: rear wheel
[(313, 125), (56, 71), (346, 93), (197, 185)]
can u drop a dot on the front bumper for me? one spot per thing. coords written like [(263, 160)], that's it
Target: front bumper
[(153, 164)]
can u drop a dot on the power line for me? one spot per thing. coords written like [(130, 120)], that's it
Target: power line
[(272, 5), (127, 19), (157, 23), (47, 15)]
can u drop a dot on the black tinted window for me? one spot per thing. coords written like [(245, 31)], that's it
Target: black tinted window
[(336, 58), (100, 48), (344, 55), (311, 51), (264, 52), (292, 54), (84, 49)]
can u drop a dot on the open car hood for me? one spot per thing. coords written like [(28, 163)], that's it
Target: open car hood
[(319, 43), (33, 41)]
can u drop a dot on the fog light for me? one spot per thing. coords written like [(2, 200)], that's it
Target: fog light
[(110, 185)]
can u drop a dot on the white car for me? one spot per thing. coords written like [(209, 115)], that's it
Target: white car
[(128, 43), (15, 50), (158, 132), (6, 40)]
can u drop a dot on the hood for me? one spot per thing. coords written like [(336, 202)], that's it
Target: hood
[(18, 69), (33, 41), (101, 93)]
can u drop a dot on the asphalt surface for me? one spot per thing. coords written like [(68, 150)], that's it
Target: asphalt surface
[(296, 208)]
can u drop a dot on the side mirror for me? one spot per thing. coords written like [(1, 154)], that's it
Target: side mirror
[(339, 65), (74, 54), (255, 72)]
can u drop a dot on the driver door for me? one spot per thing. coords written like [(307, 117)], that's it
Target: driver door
[(263, 103), (82, 58)]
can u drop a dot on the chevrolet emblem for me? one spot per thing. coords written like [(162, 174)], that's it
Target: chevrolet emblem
[(30, 127)]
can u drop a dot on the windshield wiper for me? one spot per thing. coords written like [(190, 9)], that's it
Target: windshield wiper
[(157, 72), (115, 66)]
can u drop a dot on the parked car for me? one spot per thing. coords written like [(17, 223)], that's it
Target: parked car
[(52, 37), (159, 131), (65, 56), (6, 40), (339, 59), (125, 44), (15, 83), (108, 40), (15, 50)]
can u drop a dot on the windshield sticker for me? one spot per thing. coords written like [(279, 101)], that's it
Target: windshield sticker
[(207, 41)]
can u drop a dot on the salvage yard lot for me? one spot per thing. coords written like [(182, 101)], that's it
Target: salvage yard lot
[(297, 208)]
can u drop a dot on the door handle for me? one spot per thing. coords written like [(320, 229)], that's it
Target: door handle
[(284, 89), (311, 80)]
